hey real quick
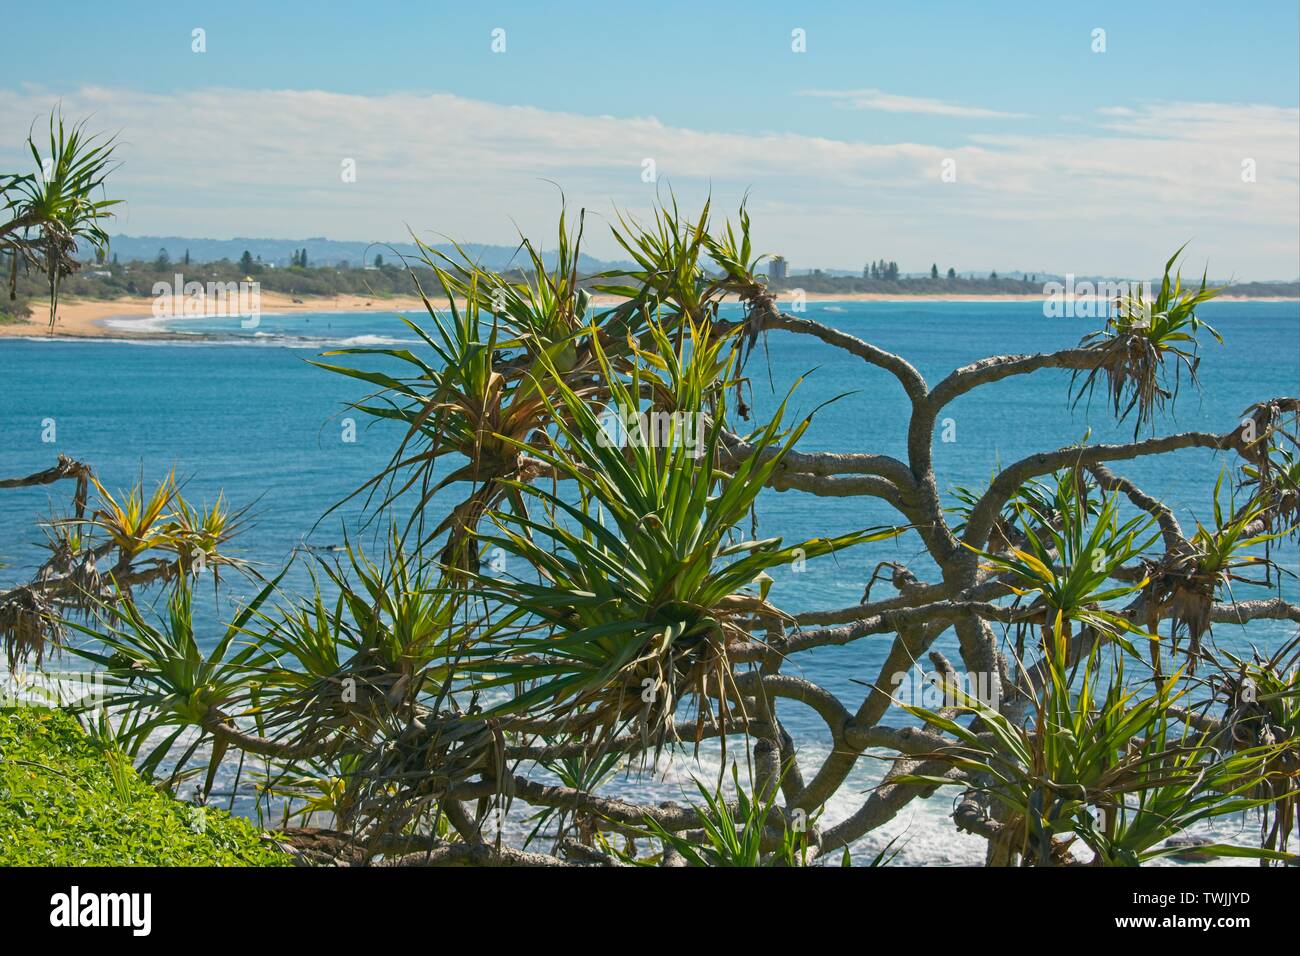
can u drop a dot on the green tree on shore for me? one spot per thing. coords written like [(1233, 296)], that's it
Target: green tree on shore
[(45, 214)]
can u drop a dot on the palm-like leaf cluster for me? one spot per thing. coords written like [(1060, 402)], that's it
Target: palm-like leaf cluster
[(111, 545), (1068, 558), (1260, 700), (1274, 480), (1140, 342), (49, 211), (356, 691), (167, 682), (1098, 762), (746, 830), (641, 581), (1183, 586)]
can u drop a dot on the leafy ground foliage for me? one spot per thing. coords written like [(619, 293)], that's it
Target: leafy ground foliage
[(67, 799)]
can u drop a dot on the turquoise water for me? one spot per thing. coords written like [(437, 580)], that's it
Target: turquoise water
[(242, 410)]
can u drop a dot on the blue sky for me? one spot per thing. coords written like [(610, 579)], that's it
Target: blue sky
[(839, 147)]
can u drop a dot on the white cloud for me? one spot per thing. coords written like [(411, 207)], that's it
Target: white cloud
[(1116, 194), (879, 100)]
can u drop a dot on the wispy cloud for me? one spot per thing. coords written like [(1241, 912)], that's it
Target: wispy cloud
[(880, 101), (1116, 194)]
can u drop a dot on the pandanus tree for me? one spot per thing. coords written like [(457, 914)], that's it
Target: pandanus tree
[(573, 586), (47, 213)]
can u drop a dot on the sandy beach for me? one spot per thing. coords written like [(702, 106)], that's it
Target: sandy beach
[(90, 318)]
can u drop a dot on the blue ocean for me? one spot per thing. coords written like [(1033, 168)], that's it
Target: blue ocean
[(242, 411)]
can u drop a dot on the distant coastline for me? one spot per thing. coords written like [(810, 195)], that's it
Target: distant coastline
[(90, 318), (126, 292)]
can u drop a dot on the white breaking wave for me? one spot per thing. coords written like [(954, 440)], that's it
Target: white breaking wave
[(377, 340)]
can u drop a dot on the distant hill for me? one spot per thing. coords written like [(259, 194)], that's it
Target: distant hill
[(321, 252)]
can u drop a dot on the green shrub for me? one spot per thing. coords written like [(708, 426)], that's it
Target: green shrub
[(68, 800)]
